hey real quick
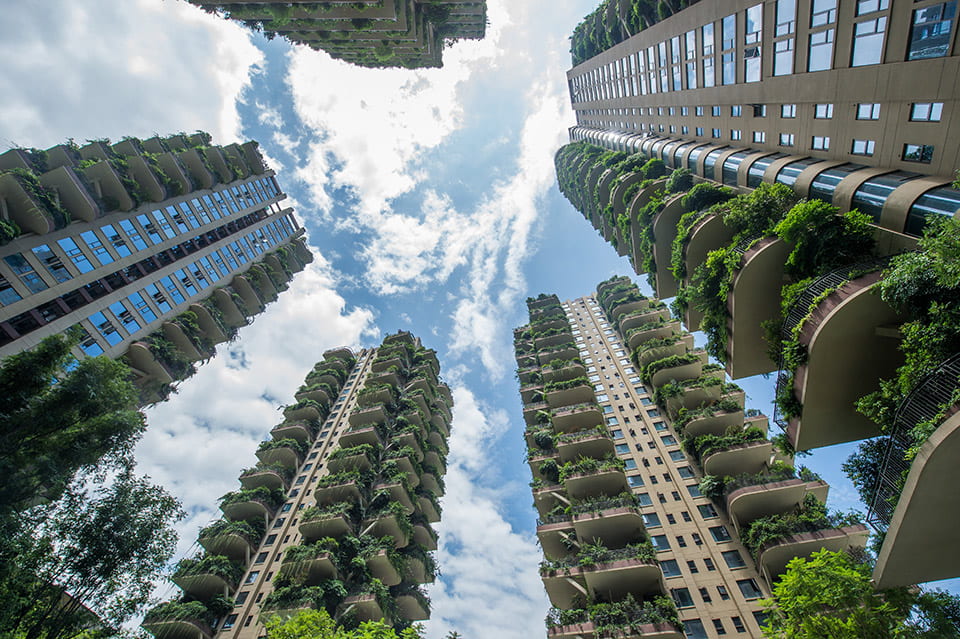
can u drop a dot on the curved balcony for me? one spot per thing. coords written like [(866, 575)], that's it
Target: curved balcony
[(421, 403), (382, 568), (571, 419), (680, 371), (244, 505), (606, 481), (416, 571), (570, 369), (280, 452), (636, 631), (210, 327), (579, 394), (370, 415), (300, 431), (405, 465), (247, 293), (708, 234), (178, 338), (684, 344), (363, 607), (381, 365), (309, 570), (304, 410), (413, 608), (429, 482), (535, 461), (531, 412), (752, 502), (749, 457), (233, 540), (350, 459), (570, 351), (360, 435), (610, 581), (318, 394), (774, 557), (341, 490), (547, 496), (616, 526), (624, 308), (441, 422), (385, 378), (318, 524), (556, 534), (341, 352), (143, 360), (270, 478), (556, 339), (204, 578), (175, 620), (387, 525), (707, 388), (429, 509), (920, 544), (714, 422), (408, 440), (593, 443), (642, 317), (232, 314), (398, 494), (435, 459), (852, 343), (654, 330), (665, 230), (418, 384), (424, 536), (531, 393), (372, 396), (754, 300), (559, 320)]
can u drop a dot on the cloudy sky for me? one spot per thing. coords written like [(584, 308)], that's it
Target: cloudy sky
[(429, 199)]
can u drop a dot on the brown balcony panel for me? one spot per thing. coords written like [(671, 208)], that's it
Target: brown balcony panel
[(373, 398), (531, 393), (348, 491), (576, 418), (565, 586), (386, 377), (406, 466), (269, 478), (552, 340), (639, 631), (665, 230), (143, 360), (361, 435), (415, 571), (753, 300), (179, 339), (335, 526), (774, 558), (850, 349), (546, 497), (371, 415), (571, 371), (352, 462), (409, 440), (750, 458), (615, 580), (311, 571), (535, 462), (679, 373), (432, 458), (283, 456), (203, 586), (299, 431), (381, 568), (424, 537), (411, 609), (398, 494), (418, 384), (429, 482), (178, 629), (684, 345), (338, 353), (604, 482), (306, 413), (442, 423), (428, 509), (74, 196), (318, 395), (530, 412), (230, 545), (545, 357), (557, 322), (716, 424), (364, 607), (386, 526), (631, 321), (290, 611), (382, 365), (555, 537), (753, 502), (249, 296), (246, 510), (596, 445), (693, 398), (615, 527), (628, 307), (657, 332), (231, 312), (570, 396), (920, 545)]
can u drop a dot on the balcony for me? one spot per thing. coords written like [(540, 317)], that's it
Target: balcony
[(682, 368), (272, 478), (179, 620), (611, 580), (342, 353), (748, 457), (247, 294), (605, 480), (571, 419), (306, 410), (281, 452), (370, 415), (382, 365), (417, 571), (429, 507), (340, 487), (531, 393), (442, 422), (673, 346), (232, 539), (260, 503), (715, 419), (655, 330), (595, 443), (232, 314), (615, 524), (317, 523), (428, 481), (436, 459), (359, 458), (749, 503), (424, 536), (418, 384), (371, 396), (407, 439), (754, 299), (319, 393), (642, 317), (852, 342), (570, 393), (382, 567), (357, 436), (301, 432), (555, 533), (774, 557), (389, 524), (562, 336), (546, 496), (562, 351), (309, 565), (398, 495), (634, 631), (211, 575), (564, 370), (363, 607), (414, 607), (531, 412)]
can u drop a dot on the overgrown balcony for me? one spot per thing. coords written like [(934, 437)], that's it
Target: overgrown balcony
[(653, 618), (748, 503), (377, 414), (392, 521), (588, 478), (397, 492), (712, 419), (565, 350), (679, 368), (301, 431), (256, 503), (598, 572), (429, 505), (656, 312), (376, 394), (368, 434), (734, 453), (385, 564), (272, 477), (232, 539), (658, 328), (339, 487), (320, 392), (413, 605), (305, 410), (424, 536), (390, 378), (180, 620), (334, 520), (409, 439), (282, 452), (654, 349), (561, 370), (361, 457), (547, 338), (594, 442), (575, 418), (310, 564), (342, 353), (569, 392), (208, 576)]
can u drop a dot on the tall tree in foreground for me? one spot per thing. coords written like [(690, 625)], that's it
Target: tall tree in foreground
[(317, 624), (830, 594)]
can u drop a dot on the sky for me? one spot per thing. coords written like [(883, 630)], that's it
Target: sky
[(430, 203)]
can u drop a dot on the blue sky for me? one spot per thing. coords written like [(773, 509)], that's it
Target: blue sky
[(430, 200)]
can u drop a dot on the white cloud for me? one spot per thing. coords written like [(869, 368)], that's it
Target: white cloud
[(119, 67), (490, 585), (198, 441)]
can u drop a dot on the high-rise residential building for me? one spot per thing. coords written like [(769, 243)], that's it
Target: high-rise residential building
[(337, 513), (845, 104), (369, 33), (651, 480), (157, 249)]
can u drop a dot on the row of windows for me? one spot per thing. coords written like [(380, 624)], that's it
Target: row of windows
[(869, 197), (678, 63)]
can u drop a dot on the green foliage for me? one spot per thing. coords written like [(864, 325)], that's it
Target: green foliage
[(9, 231), (619, 617), (680, 180), (704, 195), (823, 240), (810, 517), (318, 624), (41, 195)]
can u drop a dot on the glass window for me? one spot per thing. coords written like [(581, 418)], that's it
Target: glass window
[(126, 318), (682, 597), (863, 147), (8, 295), (106, 328), (635, 481), (117, 240), (868, 42), (736, 134), (630, 464), (670, 567), (788, 111), (623, 449), (788, 174), (694, 490), (677, 455), (783, 57), (25, 271), (787, 139), (759, 167), (821, 51), (749, 588), (926, 111), (720, 533), (685, 472), (729, 30), (52, 262), (942, 200), (728, 66), (823, 12), (651, 520), (786, 17), (731, 166), (868, 111), (172, 291), (873, 193), (922, 153), (693, 629), (825, 183), (759, 137), (869, 6), (77, 256), (136, 299), (823, 111), (820, 143), (707, 511), (733, 559), (930, 33), (660, 542), (669, 440), (644, 499), (88, 344)]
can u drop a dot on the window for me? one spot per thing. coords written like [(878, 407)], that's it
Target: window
[(692, 567), (696, 539), (699, 111), (630, 464), (786, 139), (823, 111), (699, 131), (733, 559), (681, 541), (670, 568), (671, 519), (749, 588), (868, 42), (660, 426), (682, 597), (821, 51), (722, 591), (870, 6), (651, 520), (760, 137), (262, 557), (653, 413), (922, 153), (677, 455), (616, 433), (788, 111), (705, 595), (820, 143), (252, 577), (863, 147), (660, 542), (715, 133), (694, 490), (720, 533), (241, 597), (622, 449), (930, 33), (669, 440), (738, 624), (635, 481), (926, 111), (685, 472), (736, 134), (736, 110), (823, 12), (603, 398), (715, 111), (693, 629), (229, 622), (868, 111), (709, 563), (718, 626), (783, 57), (707, 511)]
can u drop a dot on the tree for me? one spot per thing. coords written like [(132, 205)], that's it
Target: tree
[(830, 594), (89, 558), (318, 624), (59, 416)]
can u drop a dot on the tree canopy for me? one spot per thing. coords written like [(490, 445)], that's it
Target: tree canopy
[(318, 624)]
